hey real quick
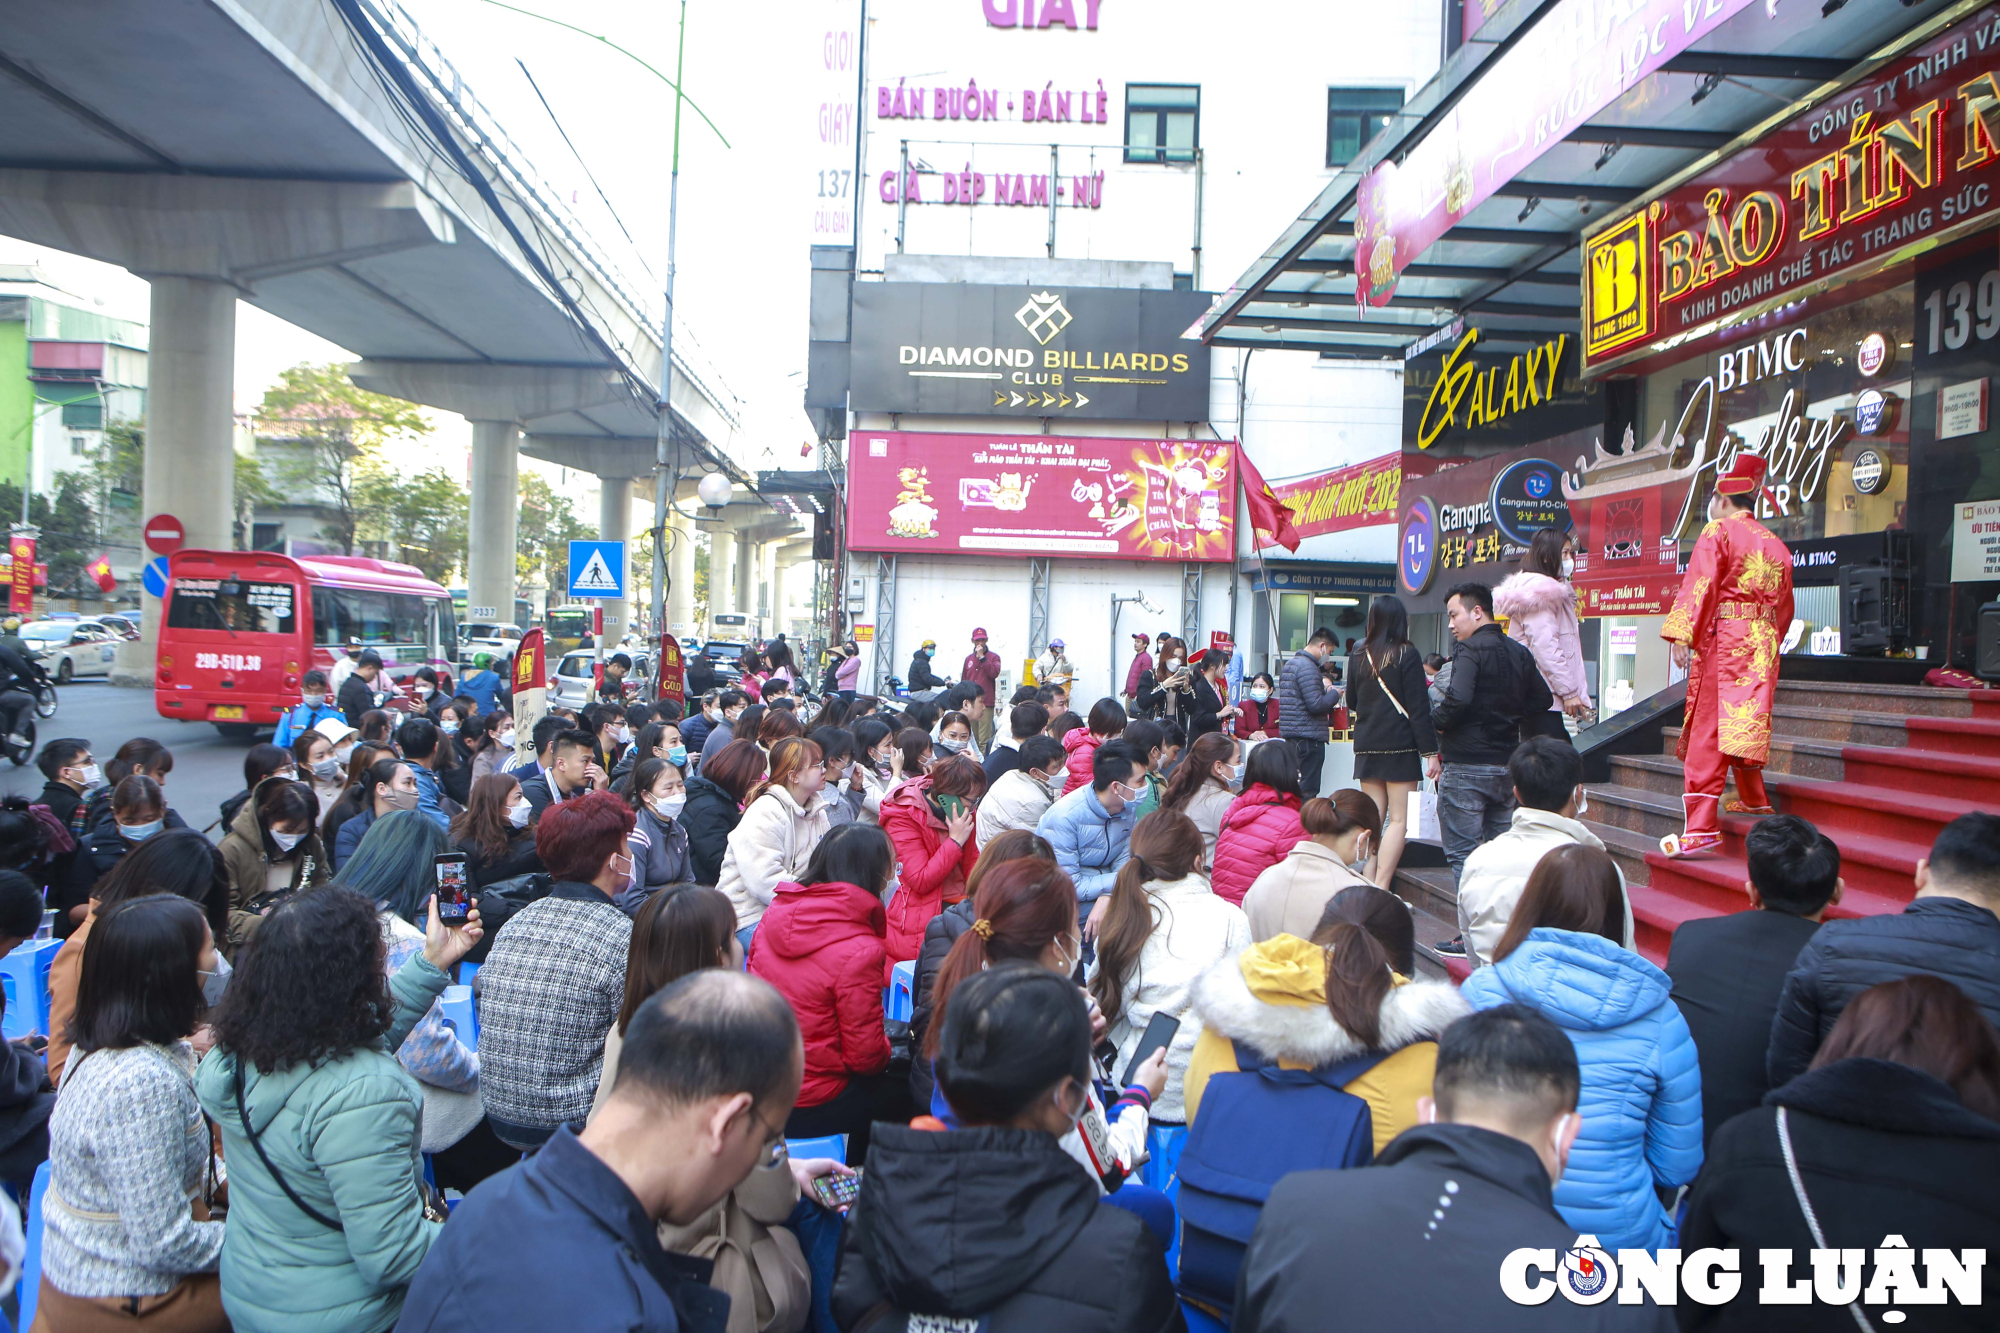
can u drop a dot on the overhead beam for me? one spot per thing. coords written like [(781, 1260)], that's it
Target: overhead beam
[(1756, 65), (1384, 353), (1339, 267), (1558, 191), (1474, 235), (1647, 136)]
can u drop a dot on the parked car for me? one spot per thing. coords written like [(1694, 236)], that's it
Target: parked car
[(118, 625), (503, 641), (575, 680), (72, 648)]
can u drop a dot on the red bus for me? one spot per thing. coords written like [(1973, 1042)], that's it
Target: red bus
[(241, 628)]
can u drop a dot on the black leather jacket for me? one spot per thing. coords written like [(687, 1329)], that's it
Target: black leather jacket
[(1494, 684)]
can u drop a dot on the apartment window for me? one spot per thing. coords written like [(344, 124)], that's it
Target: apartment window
[(1162, 122), (79, 445), (1353, 116)]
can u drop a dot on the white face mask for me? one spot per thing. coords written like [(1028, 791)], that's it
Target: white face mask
[(141, 832), (425, 691), (956, 747), (287, 841), (1360, 854), (1260, 694), (344, 752), (326, 770), (448, 727), (213, 984), (90, 775), (1569, 565), (313, 700), (668, 807), (507, 740), (520, 813), (623, 735), (1582, 803)]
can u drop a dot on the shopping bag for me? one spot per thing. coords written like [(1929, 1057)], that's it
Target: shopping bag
[(1422, 817)]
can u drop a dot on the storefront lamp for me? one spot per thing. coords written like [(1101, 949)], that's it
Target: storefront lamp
[(714, 490)]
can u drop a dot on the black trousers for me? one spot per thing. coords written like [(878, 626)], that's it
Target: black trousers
[(866, 1099), (1548, 723), (1312, 758), (472, 1159)]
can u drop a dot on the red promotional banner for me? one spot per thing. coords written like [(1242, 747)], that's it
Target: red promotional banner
[(529, 669), (1902, 161), (1625, 516), (22, 582), (673, 672), (1356, 496), (1579, 57), (1111, 499)]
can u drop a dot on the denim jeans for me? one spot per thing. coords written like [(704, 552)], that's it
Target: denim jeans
[(1475, 805)]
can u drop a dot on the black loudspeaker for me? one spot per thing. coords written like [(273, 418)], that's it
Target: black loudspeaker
[(1986, 659), (1874, 608)]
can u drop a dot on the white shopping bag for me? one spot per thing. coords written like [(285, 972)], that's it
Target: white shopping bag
[(1422, 817)]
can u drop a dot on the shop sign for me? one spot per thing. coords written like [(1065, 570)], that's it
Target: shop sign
[(21, 575), (1870, 409), (1454, 395), (1473, 521), (1579, 57), (1961, 409), (967, 349), (1527, 497), (1872, 354), (1046, 14), (1044, 495), (1975, 542), (1903, 160), (1349, 497), (1870, 471), (1625, 639), (1281, 576), (831, 80), (864, 632), (972, 102), (1025, 189)]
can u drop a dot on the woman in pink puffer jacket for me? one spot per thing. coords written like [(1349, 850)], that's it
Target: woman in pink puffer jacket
[(1262, 825), (1107, 720), (1540, 608)]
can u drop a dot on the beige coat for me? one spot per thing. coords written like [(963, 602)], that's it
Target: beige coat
[(1206, 808), (1289, 897)]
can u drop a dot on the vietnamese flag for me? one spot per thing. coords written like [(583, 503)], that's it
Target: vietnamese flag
[(1268, 514), (100, 569)]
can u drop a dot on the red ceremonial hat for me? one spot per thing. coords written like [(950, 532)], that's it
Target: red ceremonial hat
[(1745, 476)]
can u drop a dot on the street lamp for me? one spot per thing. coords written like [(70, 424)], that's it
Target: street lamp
[(715, 490)]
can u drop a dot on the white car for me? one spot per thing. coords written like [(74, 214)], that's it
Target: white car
[(503, 641), (575, 681), (71, 648)]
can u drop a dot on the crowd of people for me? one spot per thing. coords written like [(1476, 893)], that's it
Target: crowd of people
[(264, 1107)]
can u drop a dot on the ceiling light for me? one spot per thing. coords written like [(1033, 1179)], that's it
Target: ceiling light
[(1611, 149), (1708, 85), (1533, 203), (1583, 206)]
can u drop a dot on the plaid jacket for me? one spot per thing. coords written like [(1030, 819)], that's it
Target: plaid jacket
[(549, 991)]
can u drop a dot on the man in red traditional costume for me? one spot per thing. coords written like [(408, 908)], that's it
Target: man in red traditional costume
[(1732, 611)]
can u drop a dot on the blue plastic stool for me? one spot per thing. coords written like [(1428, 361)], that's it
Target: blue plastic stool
[(1163, 1145), (25, 975), (832, 1145), (900, 1003), (466, 972), (31, 1264), (461, 1014)]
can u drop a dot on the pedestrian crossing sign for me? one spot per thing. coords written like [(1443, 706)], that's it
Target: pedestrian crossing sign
[(597, 569)]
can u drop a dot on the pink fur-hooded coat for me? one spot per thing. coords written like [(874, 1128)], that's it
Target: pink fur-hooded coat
[(1541, 616)]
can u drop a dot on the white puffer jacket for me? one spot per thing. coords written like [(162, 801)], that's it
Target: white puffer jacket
[(770, 845), (1541, 616), (1497, 872), (1195, 931), (1015, 800)]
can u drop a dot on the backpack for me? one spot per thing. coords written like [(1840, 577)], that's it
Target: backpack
[(1257, 1126), (499, 901)]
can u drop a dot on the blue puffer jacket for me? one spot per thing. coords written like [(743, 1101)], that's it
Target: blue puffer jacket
[(1089, 844), (1641, 1102)]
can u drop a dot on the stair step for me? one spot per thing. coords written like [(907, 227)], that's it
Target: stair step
[(1433, 901), (1648, 814), (1655, 917), (1904, 700), (1842, 726), (1862, 808), (1957, 735), (1627, 848), (1716, 881), (1789, 755), (1929, 772)]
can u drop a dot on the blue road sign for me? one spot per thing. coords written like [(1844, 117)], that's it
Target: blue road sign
[(154, 576), (597, 569)]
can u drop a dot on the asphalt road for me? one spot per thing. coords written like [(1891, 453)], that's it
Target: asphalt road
[(207, 768)]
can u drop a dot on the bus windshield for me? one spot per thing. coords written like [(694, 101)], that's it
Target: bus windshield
[(235, 606)]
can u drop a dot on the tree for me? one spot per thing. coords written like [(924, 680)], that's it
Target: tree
[(341, 429), (425, 517), (547, 526), (69, 538)]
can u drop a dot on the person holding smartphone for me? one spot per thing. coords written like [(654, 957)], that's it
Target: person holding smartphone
[(931, 820)]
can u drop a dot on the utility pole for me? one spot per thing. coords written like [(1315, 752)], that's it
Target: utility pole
[(664, 479)]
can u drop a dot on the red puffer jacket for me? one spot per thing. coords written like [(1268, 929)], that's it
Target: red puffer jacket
[(1261, 828), (821, 946), (1082, 747), (932, 868)]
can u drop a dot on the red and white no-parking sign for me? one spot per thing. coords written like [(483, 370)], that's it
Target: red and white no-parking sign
[(164, 534)]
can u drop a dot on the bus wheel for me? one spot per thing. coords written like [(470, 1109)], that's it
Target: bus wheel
[(237, 731)]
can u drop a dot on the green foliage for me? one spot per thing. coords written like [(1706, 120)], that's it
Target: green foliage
[(424, 517), (342, 430), (69, 539), (547, 526)]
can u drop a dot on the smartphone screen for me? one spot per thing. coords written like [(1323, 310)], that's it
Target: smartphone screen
[(1159, 1031), (454, 887)]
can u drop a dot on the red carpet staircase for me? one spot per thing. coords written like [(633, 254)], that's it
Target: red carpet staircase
[(1880, 769)]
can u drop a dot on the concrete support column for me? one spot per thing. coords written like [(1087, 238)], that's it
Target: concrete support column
[(746, 574), (721, 571), (494, 521), (680, 574), (614, 524), (190, 468)]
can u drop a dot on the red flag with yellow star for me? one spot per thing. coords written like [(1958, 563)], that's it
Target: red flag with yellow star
[(100, 569)]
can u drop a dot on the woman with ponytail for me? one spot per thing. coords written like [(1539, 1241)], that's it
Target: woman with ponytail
[(1164, 929), (1290, 897), (1204, 784), (1025, 912), (1350, 991)]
